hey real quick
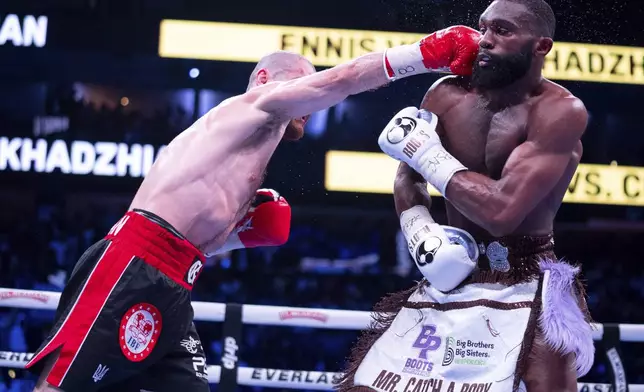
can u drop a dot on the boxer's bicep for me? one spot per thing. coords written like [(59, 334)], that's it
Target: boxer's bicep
[(530, 174), (536, 166)]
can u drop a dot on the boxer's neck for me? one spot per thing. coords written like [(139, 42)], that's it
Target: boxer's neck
[(513, 94)]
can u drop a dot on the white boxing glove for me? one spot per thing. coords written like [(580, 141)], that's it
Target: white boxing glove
[(411, 137), (443, 262)]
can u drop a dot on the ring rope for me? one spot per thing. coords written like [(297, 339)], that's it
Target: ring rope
[(276, 316)]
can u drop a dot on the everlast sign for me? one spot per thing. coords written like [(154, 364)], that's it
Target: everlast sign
[(295, 376), (27, 31)]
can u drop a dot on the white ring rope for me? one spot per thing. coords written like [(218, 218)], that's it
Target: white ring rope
[(278, 316)]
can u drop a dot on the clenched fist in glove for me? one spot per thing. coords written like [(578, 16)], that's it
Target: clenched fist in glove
[(411, 137), (453, 49), (267, 223)]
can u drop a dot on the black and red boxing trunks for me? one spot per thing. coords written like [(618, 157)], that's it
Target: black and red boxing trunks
[(124, 321)]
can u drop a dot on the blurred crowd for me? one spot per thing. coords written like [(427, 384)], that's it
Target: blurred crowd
[(342, 261), (38, 252)]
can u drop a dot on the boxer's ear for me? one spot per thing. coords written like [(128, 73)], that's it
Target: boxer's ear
[(262, 76), (544, 45)]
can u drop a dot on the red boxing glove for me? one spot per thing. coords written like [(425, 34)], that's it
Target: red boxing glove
[(267, 223), (453, 49)]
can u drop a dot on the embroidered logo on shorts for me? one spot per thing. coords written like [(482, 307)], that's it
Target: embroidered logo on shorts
[(427, 340), (140, 331), (448, 357), (194, 271), (100, 372), (191, 344)]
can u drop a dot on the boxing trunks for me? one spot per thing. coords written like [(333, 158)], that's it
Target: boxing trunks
[(477, 337), (124, 321)]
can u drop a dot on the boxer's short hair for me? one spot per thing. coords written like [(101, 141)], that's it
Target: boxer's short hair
[(545, 20)]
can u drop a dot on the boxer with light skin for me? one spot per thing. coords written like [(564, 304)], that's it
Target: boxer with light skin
[(201, 198)]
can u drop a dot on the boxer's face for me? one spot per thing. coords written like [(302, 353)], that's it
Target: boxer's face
[(501, 70), (507, 45)]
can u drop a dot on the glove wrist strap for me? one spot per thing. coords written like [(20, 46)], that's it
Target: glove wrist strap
[(416, 224), (438, 167), (403, 61), (413, 219)]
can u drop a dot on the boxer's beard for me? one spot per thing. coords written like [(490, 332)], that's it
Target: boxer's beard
[(502, 71), (294, 130)]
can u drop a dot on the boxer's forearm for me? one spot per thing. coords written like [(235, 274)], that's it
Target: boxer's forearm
[(484, 201), (364, 73), (410, 190), (309, 94)]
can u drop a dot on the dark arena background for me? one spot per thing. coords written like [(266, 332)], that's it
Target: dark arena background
[(91, 90)]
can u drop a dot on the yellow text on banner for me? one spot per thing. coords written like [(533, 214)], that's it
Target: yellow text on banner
[(366, 172), (328, 47)]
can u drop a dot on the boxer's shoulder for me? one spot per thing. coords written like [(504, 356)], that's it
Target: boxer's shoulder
[(452, 84), (558, 102), (559, 112), (445, 93)]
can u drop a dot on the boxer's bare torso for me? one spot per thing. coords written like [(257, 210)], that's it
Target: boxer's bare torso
[(487, 140), (483, 138), (203, 181)]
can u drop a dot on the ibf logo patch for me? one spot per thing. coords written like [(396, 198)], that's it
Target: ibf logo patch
[(193, 272), (427, 341), (140, 331)]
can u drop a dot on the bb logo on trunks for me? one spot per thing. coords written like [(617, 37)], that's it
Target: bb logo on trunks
[(139, 332), (426, 341), (427, 250), (193, 272), (467, 352), (403, 126)]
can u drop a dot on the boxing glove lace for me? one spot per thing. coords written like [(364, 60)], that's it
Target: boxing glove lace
[(453, 49), (267, 223)]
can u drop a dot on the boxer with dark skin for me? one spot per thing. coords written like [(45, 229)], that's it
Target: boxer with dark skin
[(519, 135)]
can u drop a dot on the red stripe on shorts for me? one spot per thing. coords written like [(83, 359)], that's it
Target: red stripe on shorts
[(88, 306)]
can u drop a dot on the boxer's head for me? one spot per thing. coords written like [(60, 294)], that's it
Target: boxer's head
[(282, 66), (517, 35)]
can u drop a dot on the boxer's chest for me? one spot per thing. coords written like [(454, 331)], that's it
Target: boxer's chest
[(481, 139)]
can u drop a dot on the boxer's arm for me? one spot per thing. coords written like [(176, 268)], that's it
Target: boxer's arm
[(321, 90), (453, 49), (410, 189), (532, 171)]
